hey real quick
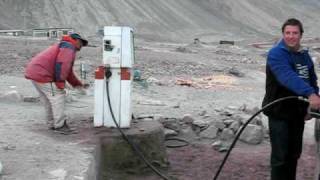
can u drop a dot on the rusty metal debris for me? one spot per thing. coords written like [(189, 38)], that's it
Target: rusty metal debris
[(208, 82)]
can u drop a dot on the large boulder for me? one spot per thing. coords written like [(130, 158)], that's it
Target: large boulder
[(252, 134)]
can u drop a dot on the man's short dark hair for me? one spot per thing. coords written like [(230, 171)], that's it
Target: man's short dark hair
[(293, 22)]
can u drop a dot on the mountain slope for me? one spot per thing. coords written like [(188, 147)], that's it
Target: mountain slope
[(165, 19)]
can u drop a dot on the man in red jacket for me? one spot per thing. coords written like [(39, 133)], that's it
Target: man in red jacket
[(49, 70)]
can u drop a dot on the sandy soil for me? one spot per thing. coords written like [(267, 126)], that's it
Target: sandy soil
[(29, 151)]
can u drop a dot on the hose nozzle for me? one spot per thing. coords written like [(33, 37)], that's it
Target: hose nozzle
[(107, 72), (301, 98)]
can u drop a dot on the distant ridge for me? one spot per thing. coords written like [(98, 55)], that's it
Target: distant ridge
[(180, 20)]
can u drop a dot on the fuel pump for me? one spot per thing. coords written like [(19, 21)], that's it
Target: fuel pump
[(118, 58)]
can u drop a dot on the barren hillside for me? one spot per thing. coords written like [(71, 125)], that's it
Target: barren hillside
[(165, 19)]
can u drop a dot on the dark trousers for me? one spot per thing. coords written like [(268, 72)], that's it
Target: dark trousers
[(286, 146)]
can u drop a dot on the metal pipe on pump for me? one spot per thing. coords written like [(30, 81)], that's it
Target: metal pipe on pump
[(118, 56)]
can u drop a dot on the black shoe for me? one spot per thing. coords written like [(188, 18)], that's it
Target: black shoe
[(65, 130)]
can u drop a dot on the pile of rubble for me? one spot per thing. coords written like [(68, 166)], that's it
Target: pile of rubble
[(220, 129)]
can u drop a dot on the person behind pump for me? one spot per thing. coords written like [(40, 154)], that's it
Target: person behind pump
[(289, 72), (49, 70)]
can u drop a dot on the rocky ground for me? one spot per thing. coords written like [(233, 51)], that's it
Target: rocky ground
[(190, 88)]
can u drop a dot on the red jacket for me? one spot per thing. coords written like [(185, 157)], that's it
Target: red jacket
[(55, 64)]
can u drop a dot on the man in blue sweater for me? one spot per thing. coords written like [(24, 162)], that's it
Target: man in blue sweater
[(289, 72)]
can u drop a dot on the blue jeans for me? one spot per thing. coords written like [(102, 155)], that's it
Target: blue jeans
[(286, 146)]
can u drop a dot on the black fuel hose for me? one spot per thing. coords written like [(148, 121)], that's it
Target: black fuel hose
[(132, 144), (183, 142), (248, 121)]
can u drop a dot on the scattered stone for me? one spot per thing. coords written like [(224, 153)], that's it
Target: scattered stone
[(202, 113), (216, 145), (31, 99), (253, 111), (227, 134), (177, 105), (148, 119), (210, 132), (226, 42), (143, 83), (78, 177), (171, 123), (234, 71), (59, 174), (185, 50), (235, 126), (221, 146), (218, 109), (169, 132), (161, 119), (237, 118), (265, 120), (187, 133), (232, 108), (228, 122), (135, 121), (243, 118), (266, 133), (188, 119), (200, 123), (196, 129), (151, 103), (243, 108), (196, 41), (206, 116), (152, 80), (257, 121), (12, 96), (252, 134), (227, 113), (184, 82), (181, 49), (9, 147), (158, 117), (219, 124)]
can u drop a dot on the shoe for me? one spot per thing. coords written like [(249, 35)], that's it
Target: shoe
[(65, 129)]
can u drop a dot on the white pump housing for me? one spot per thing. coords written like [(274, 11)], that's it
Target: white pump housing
[(119, 57)]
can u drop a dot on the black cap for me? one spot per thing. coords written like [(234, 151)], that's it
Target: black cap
[(77, 36)]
